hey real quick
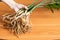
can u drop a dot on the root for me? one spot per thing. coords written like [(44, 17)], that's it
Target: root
[(16, 24)]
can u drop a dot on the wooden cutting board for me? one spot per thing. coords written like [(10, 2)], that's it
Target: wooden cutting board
[(45, 25)]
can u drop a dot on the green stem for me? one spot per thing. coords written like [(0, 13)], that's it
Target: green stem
[(32, 6), (36, 6)]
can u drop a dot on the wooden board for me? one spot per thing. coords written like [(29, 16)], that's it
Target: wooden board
[(45, 25)]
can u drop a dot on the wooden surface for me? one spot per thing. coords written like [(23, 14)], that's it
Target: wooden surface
[(45, 25)]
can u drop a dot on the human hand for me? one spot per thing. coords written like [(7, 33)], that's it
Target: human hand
[(19, 6), (13, 5)]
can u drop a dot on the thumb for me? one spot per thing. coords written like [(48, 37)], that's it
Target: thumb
[(16, 9), (21, 6)]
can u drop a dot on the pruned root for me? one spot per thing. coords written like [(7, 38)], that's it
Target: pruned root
[(17, 26)]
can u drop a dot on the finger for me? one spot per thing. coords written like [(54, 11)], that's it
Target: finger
[(16, 9), (24, 6), (21, 6)]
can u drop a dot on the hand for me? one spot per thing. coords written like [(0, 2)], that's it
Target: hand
[(14, 5), (19, 6)]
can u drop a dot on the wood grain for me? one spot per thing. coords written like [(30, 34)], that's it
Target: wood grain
[(45, 25)]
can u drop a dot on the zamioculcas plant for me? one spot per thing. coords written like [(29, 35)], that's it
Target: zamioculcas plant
[(19, 22)]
